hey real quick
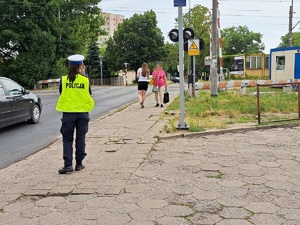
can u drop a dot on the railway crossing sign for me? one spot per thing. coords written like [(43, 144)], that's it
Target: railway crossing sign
[(194, 47)]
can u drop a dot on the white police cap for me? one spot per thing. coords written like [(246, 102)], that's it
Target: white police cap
[(76, 59)]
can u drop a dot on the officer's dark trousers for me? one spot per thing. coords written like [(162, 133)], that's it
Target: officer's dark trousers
[(70, 123)]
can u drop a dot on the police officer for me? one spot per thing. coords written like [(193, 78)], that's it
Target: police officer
[(75, 102)]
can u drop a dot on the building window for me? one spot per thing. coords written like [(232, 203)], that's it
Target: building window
[(267, 62), (280, 62), (248, 62), (258, 63), (107, 23), (253, 62)]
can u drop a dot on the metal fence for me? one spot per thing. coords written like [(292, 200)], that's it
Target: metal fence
[(112, 81), (276, 85)]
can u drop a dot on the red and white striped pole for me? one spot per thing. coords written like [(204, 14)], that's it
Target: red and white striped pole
[(220, 44)]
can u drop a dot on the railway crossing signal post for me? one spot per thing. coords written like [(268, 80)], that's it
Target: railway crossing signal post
[(177, 35), (194, 50), (181, 36)]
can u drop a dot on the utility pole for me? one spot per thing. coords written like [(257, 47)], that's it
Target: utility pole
[(214, 64), (291, 24)]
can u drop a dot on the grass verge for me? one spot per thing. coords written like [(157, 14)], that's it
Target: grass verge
[(205, 112)]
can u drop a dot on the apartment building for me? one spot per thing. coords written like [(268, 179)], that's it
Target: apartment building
[(111, 25)]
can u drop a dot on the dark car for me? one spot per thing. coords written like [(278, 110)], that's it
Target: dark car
[(175, 79), (17, 104)]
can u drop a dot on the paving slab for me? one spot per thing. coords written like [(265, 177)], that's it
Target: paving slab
[(132, 178)]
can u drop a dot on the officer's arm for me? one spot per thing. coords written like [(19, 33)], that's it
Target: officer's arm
[(90, 89), (60, 86)]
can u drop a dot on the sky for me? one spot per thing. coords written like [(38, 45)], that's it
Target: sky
[(269, 17)]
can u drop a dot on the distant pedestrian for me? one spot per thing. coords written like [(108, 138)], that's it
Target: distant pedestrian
[(75, 102), (143, 74), (160, 81)]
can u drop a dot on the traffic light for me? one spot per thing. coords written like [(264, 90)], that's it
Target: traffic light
[(188, 34), (174, 35), (202, 44)]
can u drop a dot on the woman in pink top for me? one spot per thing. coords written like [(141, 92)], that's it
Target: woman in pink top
[(160, 80)]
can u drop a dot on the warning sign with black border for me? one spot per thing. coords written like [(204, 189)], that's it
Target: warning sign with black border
[(194, 47)]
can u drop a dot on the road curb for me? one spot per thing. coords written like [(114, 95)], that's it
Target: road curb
[(228, 131)]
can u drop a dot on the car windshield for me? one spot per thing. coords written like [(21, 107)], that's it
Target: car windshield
[(12, 87), (2, 92)]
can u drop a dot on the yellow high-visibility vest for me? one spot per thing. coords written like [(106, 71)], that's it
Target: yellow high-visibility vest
[(75, 96)]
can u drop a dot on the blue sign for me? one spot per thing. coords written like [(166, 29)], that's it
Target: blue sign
[(178, 3)]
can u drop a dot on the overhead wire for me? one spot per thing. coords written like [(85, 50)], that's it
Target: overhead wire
[(252, 12)]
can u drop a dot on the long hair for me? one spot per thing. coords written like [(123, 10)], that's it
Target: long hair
[(145, 70), (73, 71)]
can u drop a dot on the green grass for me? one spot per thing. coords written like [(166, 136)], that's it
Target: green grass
[(175, 105), (171, 126), (205, 112)]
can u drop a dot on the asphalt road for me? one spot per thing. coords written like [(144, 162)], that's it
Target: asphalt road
[(22, 140)]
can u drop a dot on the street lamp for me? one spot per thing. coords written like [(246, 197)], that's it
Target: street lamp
[(126, 69), (101, 70)]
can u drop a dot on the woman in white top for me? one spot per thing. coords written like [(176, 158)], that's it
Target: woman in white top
[(143, 76)]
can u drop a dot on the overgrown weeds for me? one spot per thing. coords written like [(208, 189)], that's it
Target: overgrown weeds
[(205, 112)]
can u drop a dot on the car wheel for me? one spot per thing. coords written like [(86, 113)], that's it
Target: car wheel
[(35, 114)]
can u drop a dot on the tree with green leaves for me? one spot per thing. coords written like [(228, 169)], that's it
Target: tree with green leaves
[(241, 40), (36, 36), (285, 40), (94, 60), (171, 58), (137, 40)]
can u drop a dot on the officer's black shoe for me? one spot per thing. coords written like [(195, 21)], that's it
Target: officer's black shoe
[(66, 169), (79, 167)]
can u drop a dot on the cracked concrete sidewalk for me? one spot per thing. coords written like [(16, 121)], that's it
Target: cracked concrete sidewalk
[(230, 179)]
